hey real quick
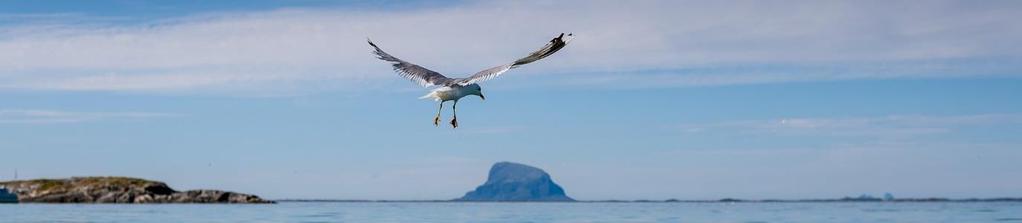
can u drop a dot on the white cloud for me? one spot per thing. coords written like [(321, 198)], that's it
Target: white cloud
[(888, 126), (29, 116), (259, 50)]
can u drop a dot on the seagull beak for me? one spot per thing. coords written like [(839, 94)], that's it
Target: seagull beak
[(481, 96)]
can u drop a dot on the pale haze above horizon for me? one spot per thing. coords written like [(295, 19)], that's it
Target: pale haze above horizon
[(651, 100)]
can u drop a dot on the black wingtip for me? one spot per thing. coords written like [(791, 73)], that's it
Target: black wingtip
[(560, 37)]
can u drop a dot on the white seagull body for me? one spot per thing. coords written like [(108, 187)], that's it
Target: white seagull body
[(453, 89)]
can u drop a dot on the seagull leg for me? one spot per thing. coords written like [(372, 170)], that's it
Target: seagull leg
[(454, 121), (436, 119)]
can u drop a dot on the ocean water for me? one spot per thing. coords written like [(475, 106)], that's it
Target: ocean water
[(518, 212)]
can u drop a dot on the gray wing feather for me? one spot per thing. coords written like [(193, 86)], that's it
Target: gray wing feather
[(416, 73), (493, 72)]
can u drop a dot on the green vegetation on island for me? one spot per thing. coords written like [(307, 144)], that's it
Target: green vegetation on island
[(112, 190)]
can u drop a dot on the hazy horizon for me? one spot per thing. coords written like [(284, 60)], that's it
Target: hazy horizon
[(653, 100)]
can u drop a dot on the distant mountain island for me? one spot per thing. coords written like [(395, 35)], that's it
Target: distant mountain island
[(112, 190), (509, 181)]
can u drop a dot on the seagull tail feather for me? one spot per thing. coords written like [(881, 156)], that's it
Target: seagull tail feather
[(431, 95)]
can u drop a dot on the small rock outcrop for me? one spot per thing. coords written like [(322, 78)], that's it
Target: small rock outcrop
[(517, 182), (114, 190)]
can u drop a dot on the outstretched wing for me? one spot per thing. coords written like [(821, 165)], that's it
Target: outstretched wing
[(416, 73), (550, 48)]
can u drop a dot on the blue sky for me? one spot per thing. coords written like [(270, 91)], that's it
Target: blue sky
[(652, 100)]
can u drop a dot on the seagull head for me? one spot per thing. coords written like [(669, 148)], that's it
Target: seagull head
[(474, 89)]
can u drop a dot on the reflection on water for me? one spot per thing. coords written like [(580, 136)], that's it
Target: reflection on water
[(519, 212)]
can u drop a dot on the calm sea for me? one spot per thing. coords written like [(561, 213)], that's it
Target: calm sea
[(519, 212)]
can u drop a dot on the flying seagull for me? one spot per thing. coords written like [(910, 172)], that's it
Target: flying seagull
[(453, 89)]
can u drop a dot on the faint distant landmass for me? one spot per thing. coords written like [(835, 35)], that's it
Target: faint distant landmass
[(112, 190), (517, 182)]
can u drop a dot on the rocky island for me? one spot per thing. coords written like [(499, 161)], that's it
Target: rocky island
[(509, 181), (112, 190)]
